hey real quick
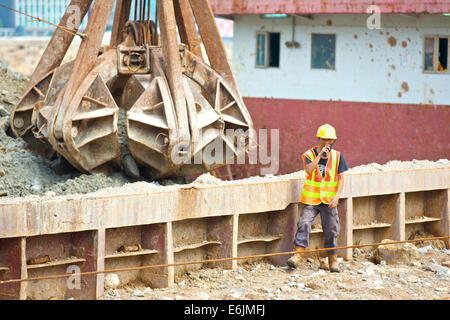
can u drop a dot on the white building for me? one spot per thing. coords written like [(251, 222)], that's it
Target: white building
[(339, 58), (384, 86)]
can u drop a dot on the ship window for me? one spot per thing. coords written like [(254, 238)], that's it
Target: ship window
[(436, 54), (323, 51), (267, 49)]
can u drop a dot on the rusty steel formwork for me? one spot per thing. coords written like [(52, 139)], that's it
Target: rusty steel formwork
[(177, 105), (117, 232)]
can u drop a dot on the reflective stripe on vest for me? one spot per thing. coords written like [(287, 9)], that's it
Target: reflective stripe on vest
[(318, 189)]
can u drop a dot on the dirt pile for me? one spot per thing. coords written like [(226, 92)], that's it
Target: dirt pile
[(438, 244), (12, 85), (24, 173), (396, 165)]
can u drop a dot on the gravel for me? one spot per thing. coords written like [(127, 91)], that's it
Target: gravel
[(360, 279), (396, 165)]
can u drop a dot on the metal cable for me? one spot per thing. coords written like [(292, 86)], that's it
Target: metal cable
[(213, 260), (71, 31)]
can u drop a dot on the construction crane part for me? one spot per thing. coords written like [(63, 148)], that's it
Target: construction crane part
[(180, 101)]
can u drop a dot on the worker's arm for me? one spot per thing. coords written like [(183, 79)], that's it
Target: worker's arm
[(334, 202), (312, 166)]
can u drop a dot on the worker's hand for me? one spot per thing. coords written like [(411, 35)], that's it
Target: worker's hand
[(334, 202), (326, 150)]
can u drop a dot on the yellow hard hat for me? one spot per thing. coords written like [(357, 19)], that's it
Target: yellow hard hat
[(326, 132)]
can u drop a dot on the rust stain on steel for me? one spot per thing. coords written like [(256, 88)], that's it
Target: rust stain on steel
[(39, 260), (172, 66), (186, 26), (212, 40), (404, 44), (392, 41), (10, 257), (405, 86), (121, 15), (85, 60)]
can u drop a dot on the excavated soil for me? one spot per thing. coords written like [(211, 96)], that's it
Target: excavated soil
[(428, 278), (23, 173)]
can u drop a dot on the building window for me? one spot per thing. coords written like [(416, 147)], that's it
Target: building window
[(267, 49), (436, 54), (323, 51)]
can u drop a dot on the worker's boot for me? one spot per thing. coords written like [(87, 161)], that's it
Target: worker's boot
[(294, 261), (323, 264), (333, 263), (323, 261)]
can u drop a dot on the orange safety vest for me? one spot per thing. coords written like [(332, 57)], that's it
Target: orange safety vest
[(318, 189)]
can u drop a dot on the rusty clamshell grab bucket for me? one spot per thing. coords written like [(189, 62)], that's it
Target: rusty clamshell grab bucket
[(177, 105)]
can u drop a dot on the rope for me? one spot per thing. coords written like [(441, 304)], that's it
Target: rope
[(71, 31), (211, 260)]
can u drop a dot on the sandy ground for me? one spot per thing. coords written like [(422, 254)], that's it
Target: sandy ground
[(22, 54)]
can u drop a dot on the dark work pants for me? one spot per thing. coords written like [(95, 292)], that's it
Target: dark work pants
[(330, 225)]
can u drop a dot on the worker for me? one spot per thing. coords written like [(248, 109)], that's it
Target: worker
[(441, 68), (324, 168)]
